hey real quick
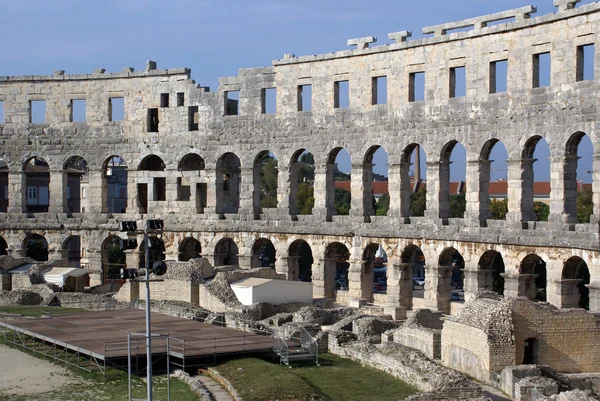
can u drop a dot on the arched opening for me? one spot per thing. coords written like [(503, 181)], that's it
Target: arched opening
[(36, 247), (263, 253), (452, 180), (4, 196), (158, 182), (578, 176), (336, 270), (190, 248), (265, 181), (413, 192), (226, 253), (575, 269), (114, 185), (494, 179), (37, 182), (188, 186), (413, 283), (113, 258), (533, 270), (228, 184), (157, 250), (375, 177), (300, 262), (152, 163), (451, 258), (302, 183), (3, 247), (491, 264), (72, 250), (78, 184), (536, 178), (339, 184), (374, 269)]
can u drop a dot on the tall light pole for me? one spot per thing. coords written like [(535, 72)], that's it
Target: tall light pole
[(148, 329)]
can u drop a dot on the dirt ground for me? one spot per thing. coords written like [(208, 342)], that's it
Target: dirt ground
[(22, 374)]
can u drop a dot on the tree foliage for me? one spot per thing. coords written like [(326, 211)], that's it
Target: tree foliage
[(342, 201), (585, 205), (541, 210), (383, 205), (499, 209), (418, 202), (458, 205), (305, 198), (268, 189)]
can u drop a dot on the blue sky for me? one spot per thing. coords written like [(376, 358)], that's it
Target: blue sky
[(213, 38)]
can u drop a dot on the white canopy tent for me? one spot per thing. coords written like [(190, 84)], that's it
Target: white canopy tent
[(58, 275), (279, 292)]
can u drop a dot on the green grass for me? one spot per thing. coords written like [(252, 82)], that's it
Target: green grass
[(37, 311), (336, 379)]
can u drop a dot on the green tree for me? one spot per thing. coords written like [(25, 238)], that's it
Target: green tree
[(268, 190), (116, 257), (418, 202), (383, 205), (458, 205), (585, 205), (541, 210), (305, 198), (306, 168), (342, 201), (499, 209)]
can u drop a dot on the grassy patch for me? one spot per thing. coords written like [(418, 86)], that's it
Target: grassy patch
[(37, 311), (335, 379)]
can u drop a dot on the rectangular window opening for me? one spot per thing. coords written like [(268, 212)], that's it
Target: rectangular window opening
[(304, 97), (341, 96), (180, 99), (416, 87), (585, 62), (201, 197), (160, 188), (152, 120), (541, 70), (193, 118), (498, 76), (379, 90), (37, 111), (232, 103), (164, 100), (116, 109), (78, 110), (183, 189), (1, 112), (458, 82), (269, 101)]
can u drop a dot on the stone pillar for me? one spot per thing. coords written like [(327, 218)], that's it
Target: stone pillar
[(595, 217), (324, 191), (95, 261), (132, 258), (399, 285), (520, 191), (246, 261), (400, 191), (323, 278), (96, 194), (563, 196), (354, 279), (563, 294), (438, 288), (282, 266), (58, 191), (519, 285), (17, 192), (474, 281), (293, 269), (361, 191), (477, 192), (438, 190), (211, 191), (249, 199), (133, 205), (594, 297), (287, 188)]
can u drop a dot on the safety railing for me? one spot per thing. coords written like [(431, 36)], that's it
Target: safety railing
[(282, 349), (309, 343)]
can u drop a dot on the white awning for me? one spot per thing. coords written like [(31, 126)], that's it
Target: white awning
[(259, 290), (21, 269), (58, 275)]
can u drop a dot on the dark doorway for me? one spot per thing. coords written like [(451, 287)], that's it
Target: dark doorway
[(530, 351), (143, 198)]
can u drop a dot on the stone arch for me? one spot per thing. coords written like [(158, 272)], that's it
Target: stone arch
[(533, 275), (37, 184), (534, 187), (491, 264), (189, 188), (152, 163), (575, 278), (189, 248), (226, 253), (228, 174), (36, 247), (300, 261), (264, 178), (71, 249), (577, 182), (413, 168), (450, 195), (76, 191), (375, 183), (374, 270), (453, 259), (113, 258), (336, 270), (487, 198), (413, 256), (157, 250), (340, 188), (191, 162), (263, 253), (302, 179), (114, 184)]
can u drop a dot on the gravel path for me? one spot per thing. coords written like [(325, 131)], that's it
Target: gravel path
[(22, 374), (215, 389)]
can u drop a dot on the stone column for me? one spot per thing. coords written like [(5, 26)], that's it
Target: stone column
[(132, 258), (249, 199), (477, 193), (293, 268), (354, 279), (133, 205), (245, 261), (58, 191), (282, 266), (96, 194), (438, 191), (594, 297), (595, 217), (361, 191), (324, 191), (211, 192), (563, 194), (437, 288), (519, 285), (287, 189), (520, 191), (95, 261), (400, 191), (399, 285), (563, 294), (319, 277), (17, 192)]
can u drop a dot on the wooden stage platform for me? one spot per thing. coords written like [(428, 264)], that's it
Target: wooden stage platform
[(103, 335)]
